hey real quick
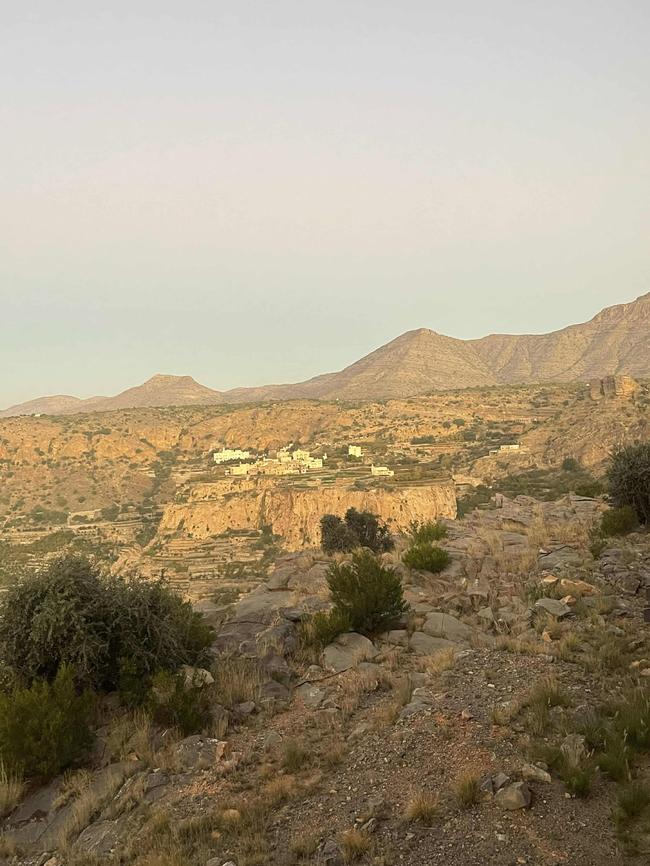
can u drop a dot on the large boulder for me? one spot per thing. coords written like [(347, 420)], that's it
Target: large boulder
[(347, 651), (553, 606), (444, 625), (516, 796), (425, 645)]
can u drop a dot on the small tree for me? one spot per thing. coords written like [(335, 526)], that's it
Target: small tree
[(358, 529), (370, 531), (336, 536), (368, 595), (45, 728), (629, 479)]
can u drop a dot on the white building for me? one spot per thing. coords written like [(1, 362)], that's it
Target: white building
[(227, 454), (381, 470), (239, 469), (354, 451)]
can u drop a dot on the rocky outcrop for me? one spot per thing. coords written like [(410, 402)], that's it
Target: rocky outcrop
[(294, 513), (613, 386)]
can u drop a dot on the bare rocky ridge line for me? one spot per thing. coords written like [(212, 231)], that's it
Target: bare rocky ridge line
[(616, 341)]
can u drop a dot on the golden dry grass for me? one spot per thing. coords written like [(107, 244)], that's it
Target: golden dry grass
[(354, 845), (467, 790), (237, 680), (12, 789), (423, 807)]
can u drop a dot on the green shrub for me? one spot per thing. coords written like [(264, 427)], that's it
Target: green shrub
[(68, 614), (426, 557), (619, 521), (175, 704), (570, 464), (590, 489), (367, 594), (357, 529), (46, 727), (629, 479), (322, 628), (425, 532), (633, 801), (336, 535)]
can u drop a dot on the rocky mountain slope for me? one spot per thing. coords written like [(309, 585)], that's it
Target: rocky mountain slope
[(616, 341), (467, 735)]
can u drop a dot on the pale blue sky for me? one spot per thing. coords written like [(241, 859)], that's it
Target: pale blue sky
[(254, 191)]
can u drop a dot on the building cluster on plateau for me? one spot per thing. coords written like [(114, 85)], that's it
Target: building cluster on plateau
[(226, 455), (286, 462)]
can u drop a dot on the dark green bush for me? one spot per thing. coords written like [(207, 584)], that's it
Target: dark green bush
[(336, 536), (175, 704), (357, 529), (426, 557), (68, 614), (619, 521), (368, 595), (629, 480), (45, 728), (429, 531), (570, 464)]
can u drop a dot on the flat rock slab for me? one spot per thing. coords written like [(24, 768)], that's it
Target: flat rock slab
[(446, 626), (261, 604), (347, 651), (425, 645), (553, 606), (200, 753), (311, 695), (101, 838)]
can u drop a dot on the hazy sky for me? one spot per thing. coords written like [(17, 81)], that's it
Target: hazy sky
[(255, 191)]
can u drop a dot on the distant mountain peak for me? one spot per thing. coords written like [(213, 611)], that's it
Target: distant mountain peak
[(615, 341)]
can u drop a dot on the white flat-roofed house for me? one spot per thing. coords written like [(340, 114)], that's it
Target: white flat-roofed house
[(228, 454)]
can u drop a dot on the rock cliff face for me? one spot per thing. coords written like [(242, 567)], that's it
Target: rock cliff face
[(295, 513)]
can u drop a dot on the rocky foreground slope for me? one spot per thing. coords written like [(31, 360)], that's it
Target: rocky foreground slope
[(458, 738), (615, 342)]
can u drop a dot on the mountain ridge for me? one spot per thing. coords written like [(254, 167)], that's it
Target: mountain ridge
[(615, 341)]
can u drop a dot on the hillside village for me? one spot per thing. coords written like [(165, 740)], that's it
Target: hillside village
[(385, 749), (206, 495)]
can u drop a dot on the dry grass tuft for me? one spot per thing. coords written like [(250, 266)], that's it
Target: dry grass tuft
[(12, 789), (279, 790), (354, 845), (402, 692), (423, 808), (303, 847), (294, 756), (467, 790), (237, 680), (333, 753), (438, 662), (91, 797)]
